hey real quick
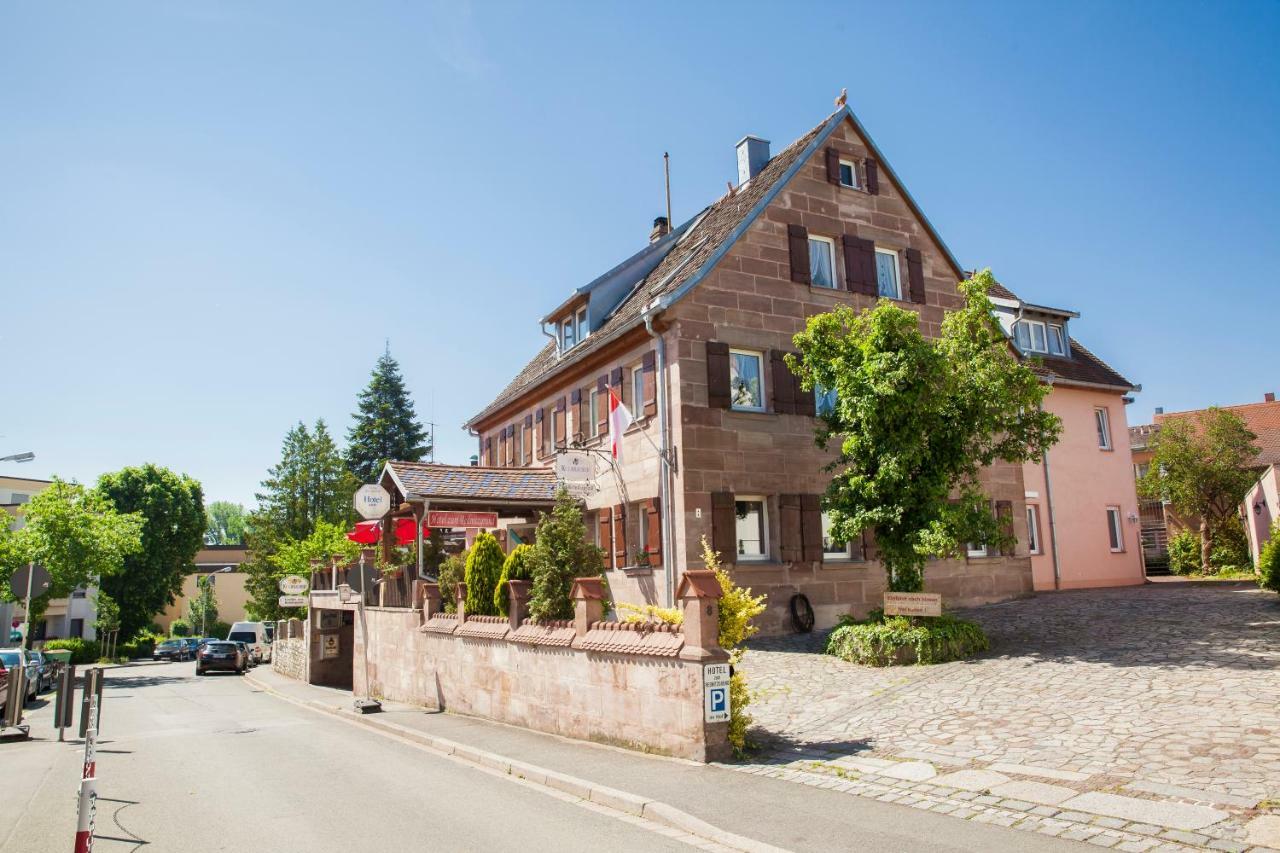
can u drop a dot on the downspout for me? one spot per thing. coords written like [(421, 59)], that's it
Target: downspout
[(1048, 499), (664, 479)]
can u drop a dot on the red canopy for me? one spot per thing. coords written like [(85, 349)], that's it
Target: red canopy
[(369, 532)]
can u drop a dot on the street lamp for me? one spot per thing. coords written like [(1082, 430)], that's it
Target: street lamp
[(208, 581), (18, 457)]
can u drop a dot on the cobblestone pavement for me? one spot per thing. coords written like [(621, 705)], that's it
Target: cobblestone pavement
[(1163, 697)]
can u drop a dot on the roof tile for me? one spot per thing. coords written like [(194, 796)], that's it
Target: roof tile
[(428, 479)]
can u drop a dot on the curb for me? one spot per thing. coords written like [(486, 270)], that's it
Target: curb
[(656, 811)]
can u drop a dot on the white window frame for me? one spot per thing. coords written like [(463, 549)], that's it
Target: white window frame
[(897, 273), (831, 259), (1033, 529), (975, 549), (846, 555), (1115, 528), (853, 171), (567, 335), (764, 395), (582, 324), (637, 390), (593, 428), (763, 556), (641, 511), (1062, 339), (1102, 421)]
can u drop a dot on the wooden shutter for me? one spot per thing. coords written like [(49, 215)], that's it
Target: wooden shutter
[(488, 450), (575, 399), (724, 526), (1004, 517), (860, 265), (783, 383), (654, 519), (602, 406), (811, 528), (798, 244), (833, 166), (620, 536), (873, 176), (805, 402), (562, 409), (650, 382), (792, 547), (540, 418), (502, 447), (915, 276), (605, 521), (528, 439), (718, 374)]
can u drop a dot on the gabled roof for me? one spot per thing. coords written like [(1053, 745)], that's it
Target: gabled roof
[(1262, 419), (418, 480)]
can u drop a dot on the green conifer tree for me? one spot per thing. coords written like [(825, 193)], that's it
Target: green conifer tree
[(484, 567), (385, 426)]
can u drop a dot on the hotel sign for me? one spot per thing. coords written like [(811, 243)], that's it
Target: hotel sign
[(912, 604), (446, 520)]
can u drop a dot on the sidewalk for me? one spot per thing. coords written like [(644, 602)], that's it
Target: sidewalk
[(771, 811)]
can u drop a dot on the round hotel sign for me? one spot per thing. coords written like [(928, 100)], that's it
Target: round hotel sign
[(293, 585), (372, 501)]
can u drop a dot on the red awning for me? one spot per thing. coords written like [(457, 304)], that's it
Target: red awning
[(369, 532)]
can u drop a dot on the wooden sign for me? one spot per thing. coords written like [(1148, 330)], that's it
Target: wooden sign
[(462, 519), (912, 604)]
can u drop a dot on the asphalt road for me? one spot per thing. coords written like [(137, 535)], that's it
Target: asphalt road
[(209, 764)]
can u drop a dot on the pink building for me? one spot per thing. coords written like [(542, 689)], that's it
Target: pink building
[(1260, 510), (1081, 501)]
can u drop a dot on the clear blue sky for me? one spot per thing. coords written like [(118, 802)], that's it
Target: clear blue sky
[(212, 215)]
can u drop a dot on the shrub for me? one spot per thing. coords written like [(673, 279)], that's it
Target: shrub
[(1184, 553), (738, 607), (883, 640), (650, 613), (517, 567), (452, 571), (82, 651), (560, 554), (484, 567), (180, 628), (1269, 561), (218, 629), (1231, 548)]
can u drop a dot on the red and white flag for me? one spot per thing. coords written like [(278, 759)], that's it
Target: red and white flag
[(619, 420)]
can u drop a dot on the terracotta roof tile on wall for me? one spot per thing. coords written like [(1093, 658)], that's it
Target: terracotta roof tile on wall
[(426, 479), (1262, 419)]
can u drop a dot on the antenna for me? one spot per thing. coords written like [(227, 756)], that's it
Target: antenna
[(666, 168)]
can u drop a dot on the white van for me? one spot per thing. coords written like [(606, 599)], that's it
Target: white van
[(254, 635)]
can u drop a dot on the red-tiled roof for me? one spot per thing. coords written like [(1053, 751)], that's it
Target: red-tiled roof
[(1262, 419), (467, 482), (1083, 366)]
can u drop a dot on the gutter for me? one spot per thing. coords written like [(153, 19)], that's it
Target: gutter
[(664, 454)]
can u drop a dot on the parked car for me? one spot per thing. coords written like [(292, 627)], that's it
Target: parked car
[(10, 658), (46, 668), (193, 645), (254, 635), (248, 653), (170, 650), (221, 655)]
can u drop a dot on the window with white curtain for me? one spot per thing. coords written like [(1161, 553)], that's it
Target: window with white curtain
[(822, 261), (887, 279)]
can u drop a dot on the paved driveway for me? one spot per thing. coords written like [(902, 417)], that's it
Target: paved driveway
[(1171, 689)]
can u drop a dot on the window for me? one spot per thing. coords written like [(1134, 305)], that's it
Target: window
[(545, 426), (746, 380), (593, 428), (887, 273), (824, 399), (1057, 342), (822, 261), (582, 324), (855, 549), (1114, 529), (752, 528), (18, 498), (1035, 336), (555, 424), (1104, 428), (848, 174), (77, 628), (637, 391), (641, 514), (976, 549), (1033, 529), (567, 339)]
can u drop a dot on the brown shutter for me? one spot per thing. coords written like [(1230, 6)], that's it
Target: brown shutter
[(860, 265), (724, 526), (805, 403), (873, 176), (528, 439), (1004, 517), (575, 399), (655, 529), (606, 536), (833, 166), (915, 276), (620, 536), (650, 382), (502, 447), (718, 375), (798, 243), (789, 524), (560, 421), (539, 418), (615, 380), (783, 382), (602, 405), (811, 528), (488, 450)]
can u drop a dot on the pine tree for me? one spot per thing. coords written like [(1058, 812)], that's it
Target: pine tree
[(385, 426), (561, 553)]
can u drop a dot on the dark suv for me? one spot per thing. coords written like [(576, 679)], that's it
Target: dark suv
[(221, 655)]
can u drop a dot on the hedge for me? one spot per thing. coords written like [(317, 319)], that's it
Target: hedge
[(892, 640)]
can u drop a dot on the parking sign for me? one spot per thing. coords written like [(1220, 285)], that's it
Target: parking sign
[(715, 682)]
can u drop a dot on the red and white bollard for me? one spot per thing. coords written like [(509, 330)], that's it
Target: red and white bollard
[(88, 810)]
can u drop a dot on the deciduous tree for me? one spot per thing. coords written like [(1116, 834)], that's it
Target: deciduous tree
[(385, 425), (226, 522)]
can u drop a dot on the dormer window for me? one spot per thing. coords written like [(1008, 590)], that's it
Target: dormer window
[(573, 329), (1035, 336)]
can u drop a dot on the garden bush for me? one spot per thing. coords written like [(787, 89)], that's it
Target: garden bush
[(180, 628), (1184, 553), (452, 572), (1269, 561), (560, 554), (82, 651), (881, 640), (1231, 548), (484, 567), (738, 607), (517, 567)]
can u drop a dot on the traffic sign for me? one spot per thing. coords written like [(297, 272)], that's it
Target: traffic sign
[(372, 501), (715, 682), (293, 585), (39, 581), (293, 601)]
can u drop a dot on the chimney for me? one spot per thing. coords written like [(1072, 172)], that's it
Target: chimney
[(753, 153), (1159, 410), (661, 228), (1269, 397)]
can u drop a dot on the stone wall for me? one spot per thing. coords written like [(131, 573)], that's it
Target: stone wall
[(289, 650), (631, 686)]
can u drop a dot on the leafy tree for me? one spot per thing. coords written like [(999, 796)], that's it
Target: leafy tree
[(517, 567), (1202, 467), (108, 614), (226, 522), (172, 509), (293, 557), (453, 571), (916, 420), (202, 610), (484, 567), (75, 533), (385, 426), (560, 554)]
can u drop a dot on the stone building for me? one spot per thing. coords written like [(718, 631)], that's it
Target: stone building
[(691, 332)]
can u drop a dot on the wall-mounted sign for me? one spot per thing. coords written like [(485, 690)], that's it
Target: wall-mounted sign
[(912, 604), (574, 466), (293, 601), (462, 519), (293, 585), (329, 646), (372, 501), (330, 619), (715, 684)]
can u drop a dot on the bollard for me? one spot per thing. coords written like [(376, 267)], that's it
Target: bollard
[(92, 690), (65, 703), (86, 812)]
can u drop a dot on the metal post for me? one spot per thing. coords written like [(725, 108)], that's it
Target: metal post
[(365, 704)]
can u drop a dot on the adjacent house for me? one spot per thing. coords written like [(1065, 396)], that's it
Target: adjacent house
[(691, 332), (221, 563)]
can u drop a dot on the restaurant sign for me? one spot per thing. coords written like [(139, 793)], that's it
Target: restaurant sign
[(447, 520)]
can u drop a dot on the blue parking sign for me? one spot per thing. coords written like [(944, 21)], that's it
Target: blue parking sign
[(715, 681)]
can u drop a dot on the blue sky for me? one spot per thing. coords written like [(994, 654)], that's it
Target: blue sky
[(213, 215)]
